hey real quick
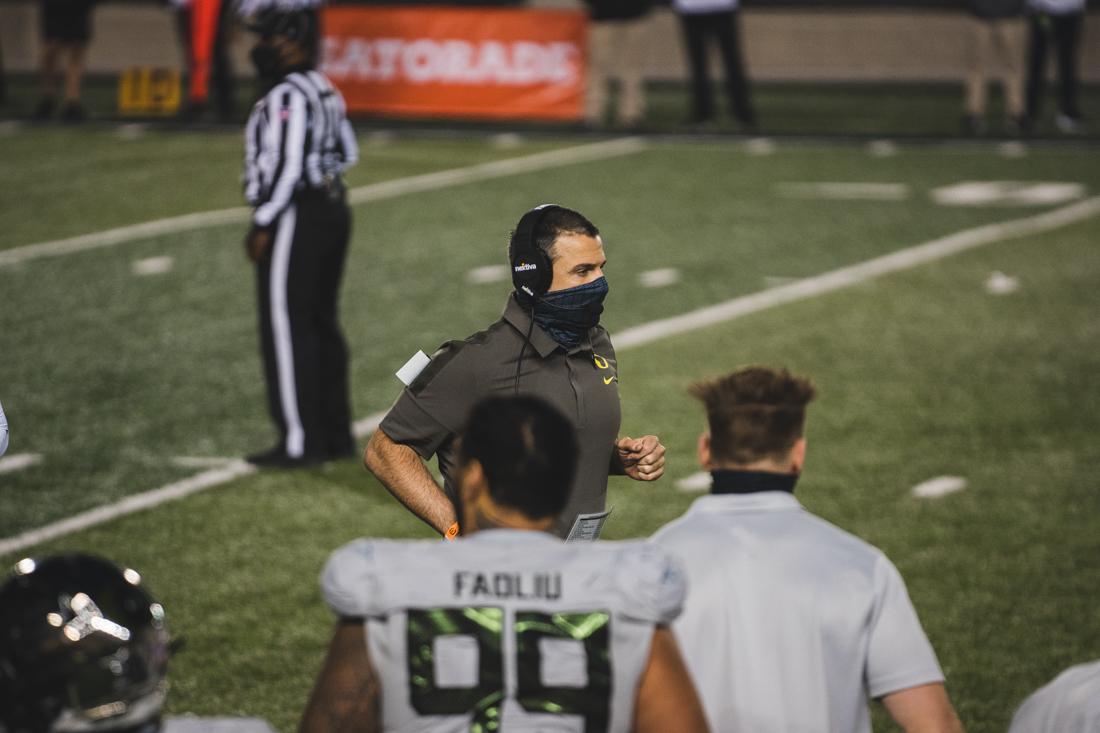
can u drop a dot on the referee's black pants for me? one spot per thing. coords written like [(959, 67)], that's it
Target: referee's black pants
[(1065, 31), (304, 353), (723, 27)]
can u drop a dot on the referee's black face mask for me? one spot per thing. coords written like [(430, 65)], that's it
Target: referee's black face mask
[(265, 58)]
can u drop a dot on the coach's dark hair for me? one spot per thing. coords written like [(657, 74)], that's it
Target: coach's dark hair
[(528, 451), (558, 221), (754, 413)]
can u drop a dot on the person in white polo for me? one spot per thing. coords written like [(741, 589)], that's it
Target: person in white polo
[(1070, 703), (790, 623)]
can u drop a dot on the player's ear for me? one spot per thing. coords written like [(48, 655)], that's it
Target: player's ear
[(798, 455), (702, 450), (472, 491), (471, 482)]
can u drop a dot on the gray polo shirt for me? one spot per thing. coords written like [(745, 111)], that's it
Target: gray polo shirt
[(582, 382), (790, 622)]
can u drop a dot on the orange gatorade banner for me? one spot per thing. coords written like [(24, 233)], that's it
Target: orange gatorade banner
[(458, 62)]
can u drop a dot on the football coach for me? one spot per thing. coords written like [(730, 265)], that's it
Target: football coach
[(548, 343)]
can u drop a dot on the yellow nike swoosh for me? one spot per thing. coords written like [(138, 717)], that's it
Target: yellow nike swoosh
[(608, 380)]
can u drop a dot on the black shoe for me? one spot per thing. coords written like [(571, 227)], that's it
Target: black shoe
[(973, 126), (193, 112), (1019, 126), (73, 112), (700, 124), (44, 109), (277, 458)]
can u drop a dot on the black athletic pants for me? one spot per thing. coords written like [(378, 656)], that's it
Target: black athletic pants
[(304, 353), (723, 27), (1066, 32)]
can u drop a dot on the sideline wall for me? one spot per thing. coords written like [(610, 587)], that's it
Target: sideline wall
[(788, 44)]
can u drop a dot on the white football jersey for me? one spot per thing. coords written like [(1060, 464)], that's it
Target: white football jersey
[(195, 724), (507, 630), (790, 622), (1069, 704)]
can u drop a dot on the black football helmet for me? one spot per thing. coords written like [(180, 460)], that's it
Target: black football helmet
[(83, 647)]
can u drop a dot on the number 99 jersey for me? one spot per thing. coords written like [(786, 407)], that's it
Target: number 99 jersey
[(506, 630)]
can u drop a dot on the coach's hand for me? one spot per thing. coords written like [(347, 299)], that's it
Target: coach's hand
[(643, 458), (257, 242)]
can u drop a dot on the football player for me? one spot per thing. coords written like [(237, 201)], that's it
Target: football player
[(83, 647), (507, 627)]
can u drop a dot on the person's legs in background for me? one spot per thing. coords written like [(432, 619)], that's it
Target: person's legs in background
[(977, 76), (695, 28), (1066, 30), (601, 52), (47, 78), (1038, 25), (728, 30), (71, 109), (66, 30), (1009, 34), (221, 75), (631, 71)]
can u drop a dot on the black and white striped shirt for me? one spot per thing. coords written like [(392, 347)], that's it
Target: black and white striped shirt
[(297, 137)]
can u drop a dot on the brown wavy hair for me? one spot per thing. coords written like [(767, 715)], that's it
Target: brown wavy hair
[(754, 413)]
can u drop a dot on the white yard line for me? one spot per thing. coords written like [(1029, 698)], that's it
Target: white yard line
[(363, 194), (827, 282), (129, 505), (810, 287), (939, 486), (19, 461), (696, 482), (660, 278), (844, 191)]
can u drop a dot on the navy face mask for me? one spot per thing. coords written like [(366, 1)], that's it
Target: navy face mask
[(567, 315)]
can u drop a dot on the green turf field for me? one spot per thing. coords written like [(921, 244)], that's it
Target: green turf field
[(109, 376)]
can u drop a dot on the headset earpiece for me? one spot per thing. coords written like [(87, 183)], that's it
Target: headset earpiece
[(532, 271)]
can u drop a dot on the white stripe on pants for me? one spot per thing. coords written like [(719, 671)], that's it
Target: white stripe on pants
[(280, 327)]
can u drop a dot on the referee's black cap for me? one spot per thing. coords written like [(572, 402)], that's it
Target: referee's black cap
[(270, 22)]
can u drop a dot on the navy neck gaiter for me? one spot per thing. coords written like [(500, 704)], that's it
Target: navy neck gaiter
[(567, 315)]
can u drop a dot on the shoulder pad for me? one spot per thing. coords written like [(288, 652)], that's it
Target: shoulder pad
[(652, 580), (350, 583)]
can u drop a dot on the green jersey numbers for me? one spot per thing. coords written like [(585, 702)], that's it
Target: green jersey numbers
[(593, 700), (551, 678), (429, 695), (506, 630)]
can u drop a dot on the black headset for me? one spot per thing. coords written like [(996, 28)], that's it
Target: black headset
[(532, 271)]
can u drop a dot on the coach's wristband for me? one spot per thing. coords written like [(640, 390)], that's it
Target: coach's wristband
[(451, 532)]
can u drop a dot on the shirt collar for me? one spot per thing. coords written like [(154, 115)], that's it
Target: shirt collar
[(761, 501), (729, 481), (541, 341)]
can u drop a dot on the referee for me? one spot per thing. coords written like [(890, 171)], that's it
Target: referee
[(298, 143)]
